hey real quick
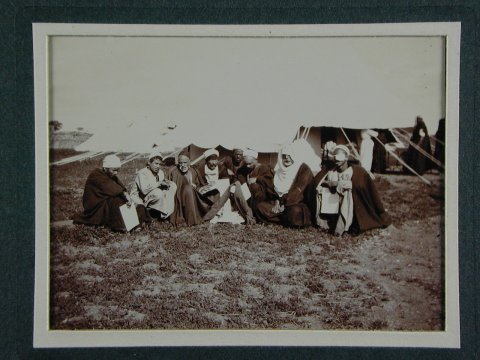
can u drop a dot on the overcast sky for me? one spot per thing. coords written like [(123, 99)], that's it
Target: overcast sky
[(359, 82)]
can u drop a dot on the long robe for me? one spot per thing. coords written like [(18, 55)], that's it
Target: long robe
[(147, 191), (102, 198), (368, 210), (219, 200), (264, 179), (440, 142), (190, 206), (229, 165), (297, 202), (414, 158), (379, 162)]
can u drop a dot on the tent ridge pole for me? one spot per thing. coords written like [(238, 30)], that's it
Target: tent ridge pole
[(420, 150), (403, 162)]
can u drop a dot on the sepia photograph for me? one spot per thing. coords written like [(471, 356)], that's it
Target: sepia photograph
[(246, 185)]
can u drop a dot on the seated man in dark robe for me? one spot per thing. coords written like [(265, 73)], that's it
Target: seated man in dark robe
[(103, 195), (233, 163), (288, 198), (256, 177), (190, 205), (347, 199), (210, 171)]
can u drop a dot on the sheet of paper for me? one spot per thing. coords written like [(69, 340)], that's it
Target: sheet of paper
[(246, 191), (330, 202), (130, 217), (222, 185)]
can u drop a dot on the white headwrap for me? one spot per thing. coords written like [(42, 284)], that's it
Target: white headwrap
[(341, 152), (251, 153), (211, 152), (301, 152), (111, 162), (284, 175), (155, 153)]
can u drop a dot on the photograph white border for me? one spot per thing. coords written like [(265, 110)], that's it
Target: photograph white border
[(43, 337)]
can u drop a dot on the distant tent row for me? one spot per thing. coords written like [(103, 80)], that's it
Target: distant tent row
[(266, 138)]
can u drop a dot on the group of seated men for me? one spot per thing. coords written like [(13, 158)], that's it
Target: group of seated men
[(340, 198)]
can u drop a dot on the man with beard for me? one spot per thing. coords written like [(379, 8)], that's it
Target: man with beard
[(103, 195), (354, 205), (190, 206), (152, 190), (288, 198)]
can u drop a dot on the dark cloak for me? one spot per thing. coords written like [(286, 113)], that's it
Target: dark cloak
[(264, 176), (414, 158), (297, 202), (190, 206), (368, 210), (229, 165), (218, 200), (102, 198), (379, 162), (440, 144)]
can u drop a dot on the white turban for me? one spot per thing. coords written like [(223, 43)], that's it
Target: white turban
[(111, 162), (211, 152), (341, 152), (251, 153), (155, 153)]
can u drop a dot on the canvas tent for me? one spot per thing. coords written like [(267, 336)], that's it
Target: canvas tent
[(257, 92), (140, 138)]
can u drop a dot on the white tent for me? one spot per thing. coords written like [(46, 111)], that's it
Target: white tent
[(140, 138), (251, 92)]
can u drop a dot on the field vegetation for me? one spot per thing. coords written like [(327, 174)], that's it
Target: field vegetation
[(224, 276)]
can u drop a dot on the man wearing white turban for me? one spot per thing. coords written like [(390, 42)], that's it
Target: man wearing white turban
[(353, 202), (103, 195), (153, 190)]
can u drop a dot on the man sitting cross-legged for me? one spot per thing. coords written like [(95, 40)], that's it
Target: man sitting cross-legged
[(190, 205)]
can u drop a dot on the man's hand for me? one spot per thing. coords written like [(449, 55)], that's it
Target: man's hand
[(277, 208), (129, 199), (164, 185)]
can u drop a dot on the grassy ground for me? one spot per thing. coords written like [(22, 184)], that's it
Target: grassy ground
[(248, 277)]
